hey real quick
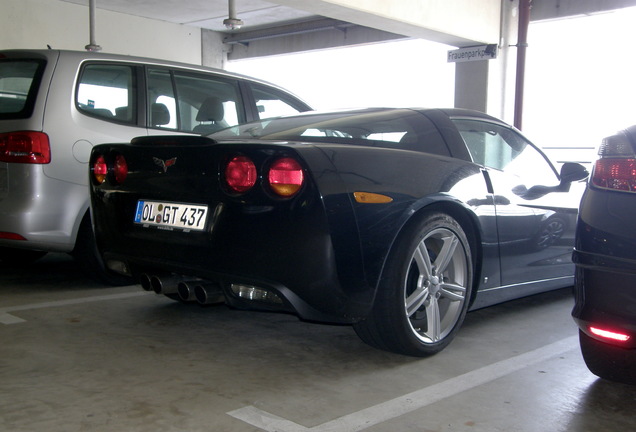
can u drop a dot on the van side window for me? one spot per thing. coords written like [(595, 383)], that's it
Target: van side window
[(162, 107), (193, 102), (274, 104), (208, 103), (107, 91)]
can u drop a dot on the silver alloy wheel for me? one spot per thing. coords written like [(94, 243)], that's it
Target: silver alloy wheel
[(436, 285)]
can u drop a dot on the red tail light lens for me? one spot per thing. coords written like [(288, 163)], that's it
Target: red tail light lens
[(286, 177), (99, 169), (25, 147), (616, 167), (617, 174), (120, 169), (240, 174)]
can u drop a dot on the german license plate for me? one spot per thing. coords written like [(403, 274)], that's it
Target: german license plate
[(170, 215)]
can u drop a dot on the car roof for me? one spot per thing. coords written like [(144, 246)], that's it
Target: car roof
[(81, 56)]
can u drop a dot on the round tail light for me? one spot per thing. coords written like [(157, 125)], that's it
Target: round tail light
[(100, 169), (120, 169), (240, 174), (286, 177)]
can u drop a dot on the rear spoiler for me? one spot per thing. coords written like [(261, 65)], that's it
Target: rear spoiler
[(172, 140)]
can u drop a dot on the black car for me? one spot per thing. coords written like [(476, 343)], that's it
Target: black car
[(605, 257), (394, 220)]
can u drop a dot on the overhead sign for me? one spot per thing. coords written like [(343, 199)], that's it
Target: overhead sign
[(482, 52)]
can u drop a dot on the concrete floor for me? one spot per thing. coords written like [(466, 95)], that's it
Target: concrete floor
[(76, 356)]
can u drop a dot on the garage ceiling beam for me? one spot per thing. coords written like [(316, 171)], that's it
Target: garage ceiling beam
[(456, 22)]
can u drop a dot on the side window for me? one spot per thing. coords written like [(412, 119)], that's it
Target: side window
[(107, 91), (162, 106), (192, 102), (501, 148), (271, 103), (207, 103)]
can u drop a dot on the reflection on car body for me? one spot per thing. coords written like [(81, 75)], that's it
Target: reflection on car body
[(394, 220)]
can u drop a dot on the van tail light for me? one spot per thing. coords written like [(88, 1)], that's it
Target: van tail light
[(616, 167), (240, 174), (285, 177), (25, 147)]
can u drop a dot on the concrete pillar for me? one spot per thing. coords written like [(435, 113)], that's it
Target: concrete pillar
[(489, 85), (213, 50), (471, 85)]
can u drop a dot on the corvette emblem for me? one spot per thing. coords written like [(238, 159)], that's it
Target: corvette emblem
[(165, 164)]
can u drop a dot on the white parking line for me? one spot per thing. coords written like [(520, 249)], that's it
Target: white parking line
[(410, 402), (7, 318)]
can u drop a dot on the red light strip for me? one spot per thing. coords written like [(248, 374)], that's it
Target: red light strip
[(610, 334)]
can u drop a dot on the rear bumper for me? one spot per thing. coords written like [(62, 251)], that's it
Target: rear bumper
[(605, 295), (44, 211), (290, 254)]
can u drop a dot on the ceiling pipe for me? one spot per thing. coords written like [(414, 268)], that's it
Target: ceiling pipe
[(232, 22), (522, 45), (92, 46)]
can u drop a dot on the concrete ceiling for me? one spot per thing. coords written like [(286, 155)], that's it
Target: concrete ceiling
[(457, 23), (207, 14)]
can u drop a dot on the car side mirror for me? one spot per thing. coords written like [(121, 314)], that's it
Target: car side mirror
[(571, 172)]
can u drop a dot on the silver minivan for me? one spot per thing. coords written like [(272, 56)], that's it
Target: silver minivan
[(56, 105)]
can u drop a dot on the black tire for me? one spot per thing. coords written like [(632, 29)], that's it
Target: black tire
[(12, 256), (608, 361), (424, 291), (90, 260)]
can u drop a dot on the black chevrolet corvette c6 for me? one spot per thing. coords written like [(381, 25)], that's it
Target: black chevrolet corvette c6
[(394, 220)]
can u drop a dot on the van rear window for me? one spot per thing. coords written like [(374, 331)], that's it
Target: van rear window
[(19, 84)]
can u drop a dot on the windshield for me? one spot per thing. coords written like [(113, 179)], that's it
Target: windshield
[(19, 82), (391, 128)]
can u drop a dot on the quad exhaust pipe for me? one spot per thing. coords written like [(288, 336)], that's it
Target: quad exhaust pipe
[(209, 293), (188, 290), (160, 284)]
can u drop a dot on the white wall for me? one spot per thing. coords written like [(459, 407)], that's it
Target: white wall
[(62, 25)]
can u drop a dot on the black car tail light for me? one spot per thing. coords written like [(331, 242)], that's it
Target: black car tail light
[(102, 165), (285, 177), (120, 169), (616, 167), (25, 147), (240, 174), (99, 169)]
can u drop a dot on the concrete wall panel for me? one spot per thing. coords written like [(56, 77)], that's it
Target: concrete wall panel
[(62, 25)]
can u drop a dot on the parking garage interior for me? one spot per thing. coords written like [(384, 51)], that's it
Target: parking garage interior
[(78, 355)]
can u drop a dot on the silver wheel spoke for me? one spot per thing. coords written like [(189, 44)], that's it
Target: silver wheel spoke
[(423, 260), (433, 320), (453, 292), (445, 255), (416, 299)]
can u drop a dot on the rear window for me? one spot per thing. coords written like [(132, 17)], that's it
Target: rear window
[(19, 84), (394, 129)]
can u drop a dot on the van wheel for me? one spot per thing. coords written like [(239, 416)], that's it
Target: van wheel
[(14, 256), (424, 291), (90, 260)]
